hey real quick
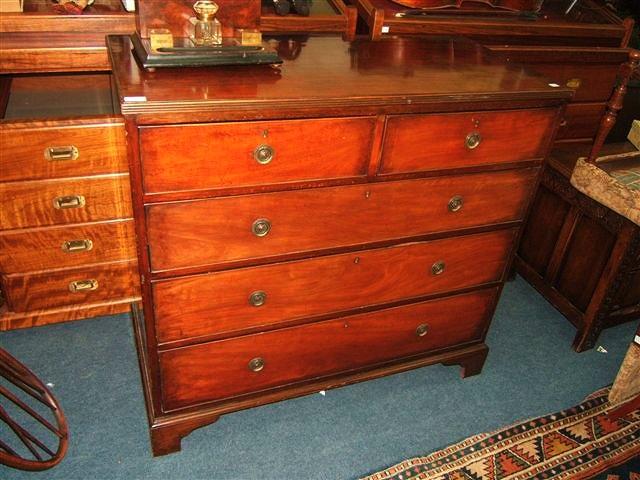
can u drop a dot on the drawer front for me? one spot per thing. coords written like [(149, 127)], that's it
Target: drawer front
[(66, 246), (53, 202), (72, 286), (218, 370), (205, 232), (591, 82), (40, 150), (433, 142), (253, 153), (581, 120), (233, 300)]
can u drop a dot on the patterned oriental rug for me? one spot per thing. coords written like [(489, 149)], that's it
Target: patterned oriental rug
[(577, 443)]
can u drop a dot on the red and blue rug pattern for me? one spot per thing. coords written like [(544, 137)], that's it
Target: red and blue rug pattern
[(577, 443)]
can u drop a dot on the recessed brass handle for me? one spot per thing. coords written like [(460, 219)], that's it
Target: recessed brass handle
[(56, 154), (71, 246), (472, 140), (257, 298), (83, 285), (263, 154), (438, 268), (256, 364), (261, 227), (455, 203), (574, 83), (422, 329), (69, 201)]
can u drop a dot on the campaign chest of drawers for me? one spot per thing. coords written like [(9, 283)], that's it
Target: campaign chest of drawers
[(345, 216)]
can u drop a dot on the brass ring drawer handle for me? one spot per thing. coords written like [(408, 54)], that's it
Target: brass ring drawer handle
[(256, 364), (257, 298), (438, 268), (261, 227), (455, 203), (83, 285), (472, 140), (422, 329), (56, 154), (71, 246), (263, 154), (69, 201)]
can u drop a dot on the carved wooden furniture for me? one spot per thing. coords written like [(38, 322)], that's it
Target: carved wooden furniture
[(580, 254), (38, 435), (346, 216), (66, 234)]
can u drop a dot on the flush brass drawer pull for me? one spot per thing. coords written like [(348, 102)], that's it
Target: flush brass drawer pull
[(83, 285), (574, 83), (263, 154), (472, 140), (257, 298), (69, 201), (56, 154), (422, 329), (438, 268), (71, 246), (256, 364), (261, 227)]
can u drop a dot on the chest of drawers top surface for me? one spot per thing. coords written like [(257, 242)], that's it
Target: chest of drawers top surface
[(327, 73)]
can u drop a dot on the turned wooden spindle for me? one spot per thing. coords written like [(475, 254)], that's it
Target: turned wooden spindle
[(615, 103)]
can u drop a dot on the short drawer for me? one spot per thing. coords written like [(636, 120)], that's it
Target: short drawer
[(205, 232), (27, 250), (581, 120), (53, 202), (54, 149), (253, 363), (254, 297), (55, 288), (592, 82), (253, 153), (435, 142)]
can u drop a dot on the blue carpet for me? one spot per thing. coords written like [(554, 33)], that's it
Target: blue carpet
[(531, 370)]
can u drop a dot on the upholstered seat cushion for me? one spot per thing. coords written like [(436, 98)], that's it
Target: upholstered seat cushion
[(614, 181)]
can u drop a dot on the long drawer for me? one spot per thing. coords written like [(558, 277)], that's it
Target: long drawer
[(69, 200), (63, 246), (205, 232), (254, 153), (434, 142), (54, 149), (233, 300), (86, 284), (229, 368)]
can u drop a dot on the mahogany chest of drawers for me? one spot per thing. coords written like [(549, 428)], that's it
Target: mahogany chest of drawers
[(345, 216)]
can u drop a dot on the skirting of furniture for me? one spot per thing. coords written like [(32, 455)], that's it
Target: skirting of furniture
[(359, 222)]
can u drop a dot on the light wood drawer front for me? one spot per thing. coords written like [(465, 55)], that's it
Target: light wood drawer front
[(40, 150), (227, 229), (252, 297), (581, 120), (93, 283), (433, 142), (218, 370), (66, 246), (253, 153), (53, 202)]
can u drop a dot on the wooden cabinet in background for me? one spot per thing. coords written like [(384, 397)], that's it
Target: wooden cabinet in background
[(67, 246), (270, 274)]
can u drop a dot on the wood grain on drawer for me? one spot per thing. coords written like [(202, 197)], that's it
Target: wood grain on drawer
[(581, 120), (222, 302), (49, 149), (52, 202), (221, 155), (86, 284), (218, 230), (63, 246), (219, 370), (435, 142)]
